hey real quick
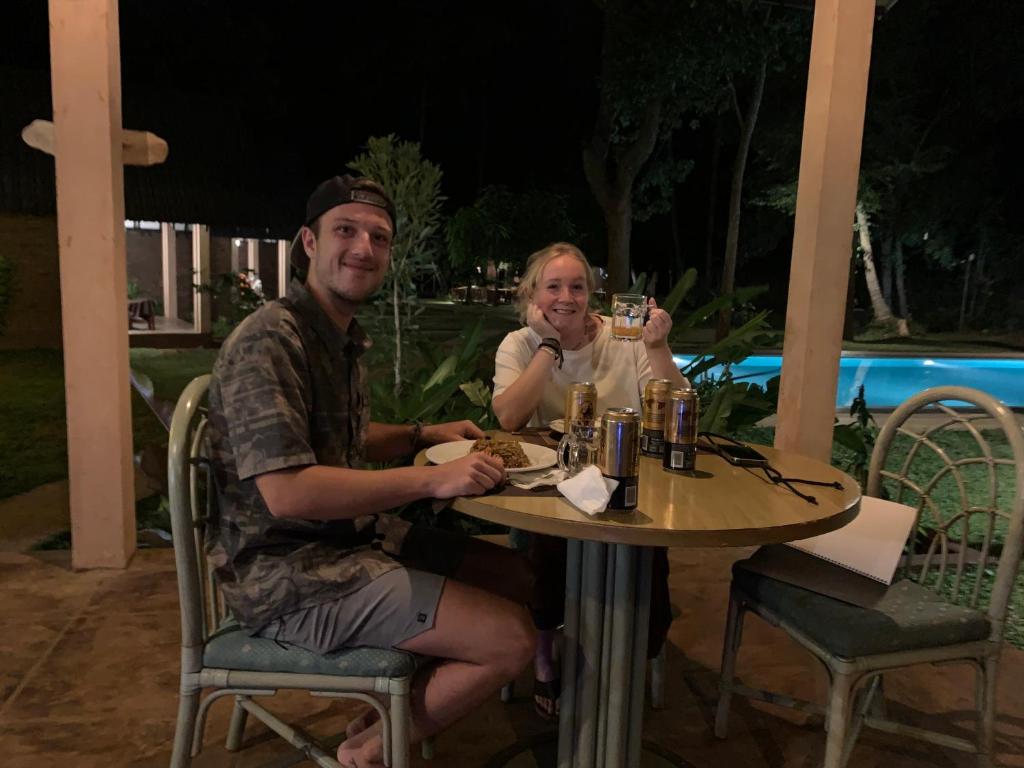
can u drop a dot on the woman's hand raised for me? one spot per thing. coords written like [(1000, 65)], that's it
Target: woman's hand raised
[(659, 323), (537, 321)]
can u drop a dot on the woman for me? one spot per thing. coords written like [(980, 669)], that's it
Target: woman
[(564, 342)]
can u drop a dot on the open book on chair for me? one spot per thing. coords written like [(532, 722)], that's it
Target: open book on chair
[(871, 545), (855, 563)]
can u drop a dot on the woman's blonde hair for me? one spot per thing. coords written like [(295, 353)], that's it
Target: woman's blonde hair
[(535, 268)]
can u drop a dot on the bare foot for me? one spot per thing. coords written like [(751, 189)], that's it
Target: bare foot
[(366, 755), (361, 723)]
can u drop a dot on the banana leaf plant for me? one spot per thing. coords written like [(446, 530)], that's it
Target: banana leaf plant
[(451, 387), (727, 404)]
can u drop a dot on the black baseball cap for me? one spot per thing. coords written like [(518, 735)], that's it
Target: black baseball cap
[(340, 190)]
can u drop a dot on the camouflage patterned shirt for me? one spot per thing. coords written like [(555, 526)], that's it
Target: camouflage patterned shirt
[(289, 389)]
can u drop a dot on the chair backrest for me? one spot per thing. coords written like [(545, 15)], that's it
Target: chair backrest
[(191, 496), (960, 463)]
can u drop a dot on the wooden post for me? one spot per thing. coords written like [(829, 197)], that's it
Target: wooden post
[(252, 256), (169, 260), (822, 240), (283, 267), (200, 276), (86, 77)]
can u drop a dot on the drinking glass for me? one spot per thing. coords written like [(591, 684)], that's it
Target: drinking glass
[(629, 311), (578, 447)]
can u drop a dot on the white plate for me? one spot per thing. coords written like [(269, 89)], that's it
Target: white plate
[(558, 425), (539, 456)]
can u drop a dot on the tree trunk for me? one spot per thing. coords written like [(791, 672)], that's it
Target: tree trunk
[(901, 285), (886, 248), (732, 236), (879, 308), (611, 168), (618, 220), (850, 318), (709, 240)]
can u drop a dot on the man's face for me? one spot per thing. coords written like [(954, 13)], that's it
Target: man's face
[(350, 257)]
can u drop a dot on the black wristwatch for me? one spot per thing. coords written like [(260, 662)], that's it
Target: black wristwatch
[(555, 346)]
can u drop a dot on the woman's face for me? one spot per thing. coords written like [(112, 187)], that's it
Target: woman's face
[(561, 293)]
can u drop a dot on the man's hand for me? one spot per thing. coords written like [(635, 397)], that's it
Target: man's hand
[(432, 434), (472, 474), (536, 319), (659, 323)]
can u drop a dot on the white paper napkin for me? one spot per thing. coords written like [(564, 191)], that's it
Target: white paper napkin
[(528, 480), (589, 490)]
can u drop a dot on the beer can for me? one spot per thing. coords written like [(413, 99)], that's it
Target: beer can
[(681, 413), (580, 404), (652, 438), (619, 455)]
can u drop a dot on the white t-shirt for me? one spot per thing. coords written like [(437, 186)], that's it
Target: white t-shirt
[(620, 369)]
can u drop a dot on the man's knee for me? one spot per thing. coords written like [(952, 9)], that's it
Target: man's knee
[(519, 642)]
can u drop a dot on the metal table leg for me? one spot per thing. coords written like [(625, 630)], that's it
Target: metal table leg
[(608, 589)]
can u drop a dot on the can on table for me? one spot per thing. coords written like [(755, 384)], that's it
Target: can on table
[(652, 438), (619, 455), (681, 430), (580, 404)]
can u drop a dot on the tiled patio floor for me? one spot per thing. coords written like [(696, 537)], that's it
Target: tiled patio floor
[(89, 665)]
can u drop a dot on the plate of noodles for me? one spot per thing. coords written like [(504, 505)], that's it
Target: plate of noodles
[(518, 457)]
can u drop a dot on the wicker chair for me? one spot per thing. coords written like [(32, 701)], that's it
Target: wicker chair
[(933, 614), (217, 654)]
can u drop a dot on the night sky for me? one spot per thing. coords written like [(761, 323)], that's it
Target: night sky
[(287, 93), (260, 102)]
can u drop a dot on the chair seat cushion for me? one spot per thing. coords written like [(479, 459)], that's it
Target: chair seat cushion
[(909, 616), (234, 648)]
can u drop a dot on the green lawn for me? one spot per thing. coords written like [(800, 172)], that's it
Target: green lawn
[(33, 437), (957, 445)]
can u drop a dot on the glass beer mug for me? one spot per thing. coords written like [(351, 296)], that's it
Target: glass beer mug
[(578, 447), (629, 312)]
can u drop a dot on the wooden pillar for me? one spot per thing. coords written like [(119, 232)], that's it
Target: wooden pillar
[(822, 240), (169, 260), (236, 262), (86, 76), (283, 267), (252, 256), (200, 276)]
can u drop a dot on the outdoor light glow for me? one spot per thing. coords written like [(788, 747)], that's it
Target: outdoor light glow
[(238, 241)]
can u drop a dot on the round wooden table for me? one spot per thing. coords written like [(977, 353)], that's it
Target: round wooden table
[(608, 579)]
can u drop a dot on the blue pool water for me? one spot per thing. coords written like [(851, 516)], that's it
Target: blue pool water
[(888, 381)]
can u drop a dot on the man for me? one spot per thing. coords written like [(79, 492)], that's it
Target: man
[(303, 547)]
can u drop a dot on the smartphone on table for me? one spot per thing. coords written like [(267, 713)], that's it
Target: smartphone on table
[(741, 455)]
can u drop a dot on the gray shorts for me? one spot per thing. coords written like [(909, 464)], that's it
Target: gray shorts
[(386, 612)]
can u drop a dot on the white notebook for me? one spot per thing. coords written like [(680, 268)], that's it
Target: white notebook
[(871, 545)]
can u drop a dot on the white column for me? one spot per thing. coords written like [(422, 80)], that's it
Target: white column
[(252, 256), (200, 276), (283, 267), (169, 260), (86, 85), (822, 239), (236, 263)]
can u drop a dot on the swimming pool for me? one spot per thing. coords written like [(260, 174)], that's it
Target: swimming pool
[(888, 381)]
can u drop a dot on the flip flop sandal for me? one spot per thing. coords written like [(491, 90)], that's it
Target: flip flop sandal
[(549, 690)]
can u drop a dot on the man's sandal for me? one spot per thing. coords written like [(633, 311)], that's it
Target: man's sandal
[(547, 691)]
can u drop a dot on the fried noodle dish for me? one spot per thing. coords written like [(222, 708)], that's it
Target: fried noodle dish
[(509, 451)]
